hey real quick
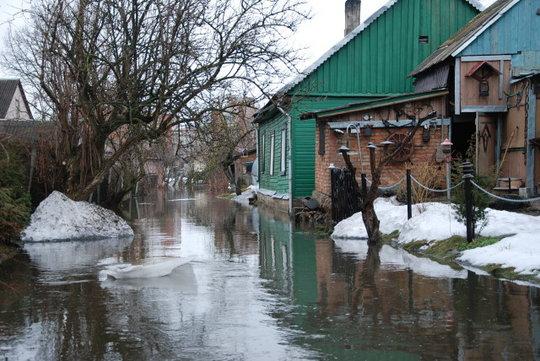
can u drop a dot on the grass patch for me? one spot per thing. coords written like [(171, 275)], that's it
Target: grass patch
[(414, 247), (389, 238), (480, 242)]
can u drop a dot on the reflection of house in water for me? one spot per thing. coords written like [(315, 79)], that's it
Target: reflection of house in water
[(368, 305)]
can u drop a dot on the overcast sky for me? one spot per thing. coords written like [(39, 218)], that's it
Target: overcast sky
[(316, 35)]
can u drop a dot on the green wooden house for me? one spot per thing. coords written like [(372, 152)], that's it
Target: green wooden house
[(371, 62)]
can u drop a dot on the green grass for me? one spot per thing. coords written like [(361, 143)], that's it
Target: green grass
[(389, 238)]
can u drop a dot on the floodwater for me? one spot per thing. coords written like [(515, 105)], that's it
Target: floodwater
[(256, 289)]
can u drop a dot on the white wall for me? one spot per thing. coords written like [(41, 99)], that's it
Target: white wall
[(17, 109)]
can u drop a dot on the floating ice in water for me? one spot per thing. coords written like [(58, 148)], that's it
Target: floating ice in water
[(181, 199), (156, 267), (59, 218)]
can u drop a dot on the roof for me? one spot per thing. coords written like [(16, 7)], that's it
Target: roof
[(356, 107), (7, 91), (475, 3), (466, 35), (25, 130)]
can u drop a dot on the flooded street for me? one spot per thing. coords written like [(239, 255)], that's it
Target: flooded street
[(255, 289)]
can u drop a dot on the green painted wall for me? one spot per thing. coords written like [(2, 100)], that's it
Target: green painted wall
[(375, 63), (277, 182), (303, 134), (379, 60)]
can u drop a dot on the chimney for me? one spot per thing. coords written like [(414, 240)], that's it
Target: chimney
[(352, 15)]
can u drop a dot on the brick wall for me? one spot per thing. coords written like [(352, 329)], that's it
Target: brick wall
[(422, 153)]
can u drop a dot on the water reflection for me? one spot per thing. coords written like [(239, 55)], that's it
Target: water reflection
[(257, 290)]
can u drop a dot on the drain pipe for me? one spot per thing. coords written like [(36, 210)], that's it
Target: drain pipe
[(289, 158)]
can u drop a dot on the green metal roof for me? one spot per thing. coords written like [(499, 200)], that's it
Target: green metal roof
[(356, 107)]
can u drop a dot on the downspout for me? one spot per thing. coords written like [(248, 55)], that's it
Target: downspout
[(289, 151)]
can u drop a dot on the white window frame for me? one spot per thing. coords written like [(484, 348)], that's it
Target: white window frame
[(272, 151), (283, 161), (262, 152)]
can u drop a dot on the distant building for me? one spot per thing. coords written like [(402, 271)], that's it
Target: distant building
[(13, 103)]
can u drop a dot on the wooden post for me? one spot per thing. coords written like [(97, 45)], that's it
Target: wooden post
[(467, 178), (409, 194)]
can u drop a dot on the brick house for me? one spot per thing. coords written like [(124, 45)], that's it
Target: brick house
[(378, 121)]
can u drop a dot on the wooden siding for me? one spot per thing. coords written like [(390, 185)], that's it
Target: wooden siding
[(303, 134), (470, 86), (277, 182), (516, 33), (379, 59)]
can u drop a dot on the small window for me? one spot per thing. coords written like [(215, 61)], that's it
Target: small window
[(423, 39), (262, 152), (272, 146), (283, 163)]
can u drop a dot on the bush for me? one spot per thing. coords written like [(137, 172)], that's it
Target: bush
[(480, 200), (14, 199)]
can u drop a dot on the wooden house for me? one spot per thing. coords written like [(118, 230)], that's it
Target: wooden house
[(372, 62), (492, 69)]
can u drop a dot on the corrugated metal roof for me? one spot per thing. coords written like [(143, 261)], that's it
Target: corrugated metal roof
[(377, 103), (476, 4), (472, 29), (7, 90)]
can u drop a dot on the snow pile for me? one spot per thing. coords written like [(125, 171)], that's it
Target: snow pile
[(243, 198), (157, 267), (58, 218), (391, 214), (520, 252), (433, 222)]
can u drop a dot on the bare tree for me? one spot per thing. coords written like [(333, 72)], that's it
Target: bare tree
[(223, 138), (131, 70), (377, 164)]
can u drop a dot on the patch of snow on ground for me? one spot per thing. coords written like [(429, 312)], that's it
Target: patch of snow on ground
[(58, 218), (521, 252), (437, 221), (391, 214), (243, 198)]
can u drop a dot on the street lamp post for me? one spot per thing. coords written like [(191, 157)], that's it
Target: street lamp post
[(447, 151)]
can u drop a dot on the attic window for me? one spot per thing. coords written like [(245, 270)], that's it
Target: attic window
[(538, 12), (423, 39)]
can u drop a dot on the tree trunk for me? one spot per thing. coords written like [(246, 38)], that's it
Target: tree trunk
[(371, 222)]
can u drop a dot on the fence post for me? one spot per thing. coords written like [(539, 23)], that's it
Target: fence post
[(409, 194), (467, 179), (364, 185)]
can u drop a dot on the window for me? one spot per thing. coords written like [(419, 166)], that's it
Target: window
[(272, 145), (423, 39), (262, 153), (283, 163)]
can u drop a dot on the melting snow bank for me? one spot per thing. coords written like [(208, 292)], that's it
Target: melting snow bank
[(243, 198), (158, 267), (58, 218), (433, 222)]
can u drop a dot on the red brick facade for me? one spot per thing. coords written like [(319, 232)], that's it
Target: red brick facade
[(423, 151)]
